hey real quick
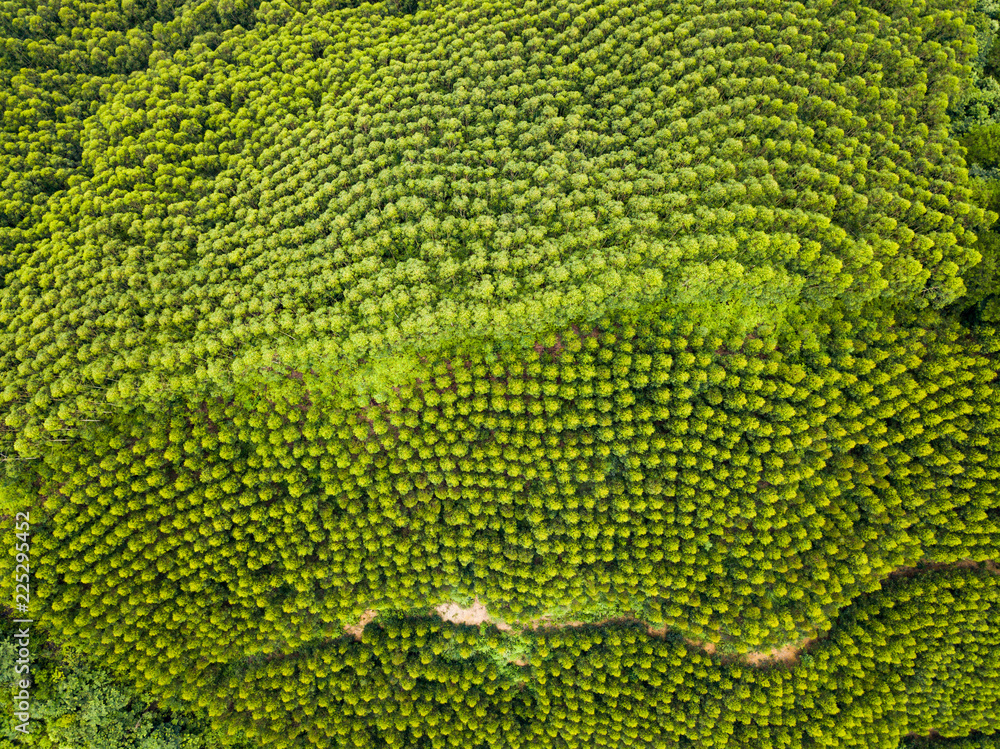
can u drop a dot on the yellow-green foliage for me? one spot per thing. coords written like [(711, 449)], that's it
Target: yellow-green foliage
[(978, 741), (77, 702), (741, 489), (920, 655), (355, 189), (574, 306)]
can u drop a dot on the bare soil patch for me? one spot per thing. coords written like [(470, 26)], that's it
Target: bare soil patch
[(964, 564), (788, 654), (545, 622), (475, 615), (708, 647), (356, 630)]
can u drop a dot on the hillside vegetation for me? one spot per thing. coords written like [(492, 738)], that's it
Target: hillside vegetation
[(674, 314), (353, 192)]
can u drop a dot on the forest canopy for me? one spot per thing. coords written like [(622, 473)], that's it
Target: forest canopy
[(676, 324), (353, 191)]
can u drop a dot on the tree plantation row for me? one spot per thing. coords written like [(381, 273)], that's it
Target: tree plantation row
[(355, 190), (81, 704), (742, 490), (919, 655), (677, 320)]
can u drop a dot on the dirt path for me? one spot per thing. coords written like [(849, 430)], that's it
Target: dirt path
[(788, 655), (708, 647), (477, 614), (965, 564), (356, 630)]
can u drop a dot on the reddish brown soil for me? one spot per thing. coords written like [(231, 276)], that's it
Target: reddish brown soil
[(475, 614), (356, 630), (788, 654)]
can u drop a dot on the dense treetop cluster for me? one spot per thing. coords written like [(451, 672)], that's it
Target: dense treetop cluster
[(76, 701), (975, 116), (313, 308), (895, 664), (919, 655), (352, 190), (743, 489)]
